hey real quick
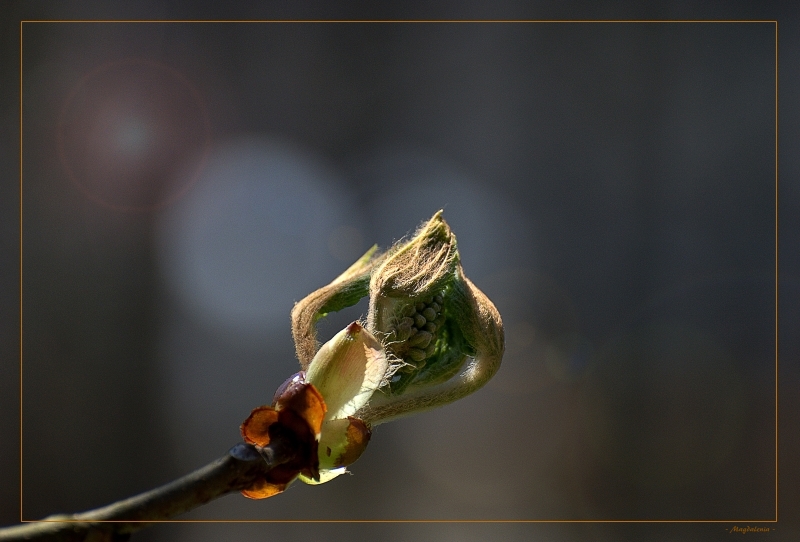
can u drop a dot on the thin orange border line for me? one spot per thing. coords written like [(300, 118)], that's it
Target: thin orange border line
[(20, 270), (775, 22), (776, 270), (406, 21), (409, 521)]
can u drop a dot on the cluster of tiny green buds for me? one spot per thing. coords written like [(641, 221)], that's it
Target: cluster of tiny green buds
[(413, 335)]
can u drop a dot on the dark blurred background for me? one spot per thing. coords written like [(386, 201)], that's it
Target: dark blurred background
[(612, 187)]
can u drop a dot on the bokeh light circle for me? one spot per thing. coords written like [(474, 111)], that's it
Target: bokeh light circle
[(252, 237), (127, 129)]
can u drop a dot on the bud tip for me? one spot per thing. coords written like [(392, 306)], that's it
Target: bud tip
[(354, 328)]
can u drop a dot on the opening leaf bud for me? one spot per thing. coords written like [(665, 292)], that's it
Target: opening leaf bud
[(441, 337)]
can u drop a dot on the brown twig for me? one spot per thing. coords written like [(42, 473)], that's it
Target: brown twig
[(238, 469)]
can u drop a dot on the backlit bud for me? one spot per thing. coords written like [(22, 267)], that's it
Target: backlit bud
[(440, 335), (431, 338)]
